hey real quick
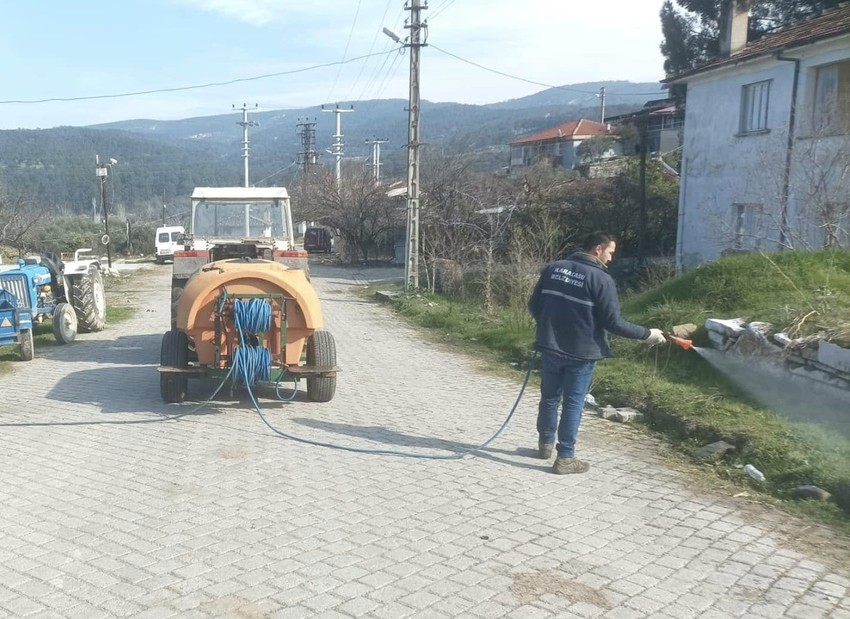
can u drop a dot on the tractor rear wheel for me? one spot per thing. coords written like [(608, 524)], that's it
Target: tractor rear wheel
[(89, 300), (321, 352), (26, 345), (64, 323), (174, 353)]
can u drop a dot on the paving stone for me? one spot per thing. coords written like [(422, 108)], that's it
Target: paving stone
[(117, 504)]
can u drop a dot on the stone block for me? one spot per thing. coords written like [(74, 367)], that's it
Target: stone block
[(718, 341), (809, 353), (387, 296), (762, 328), (608, 412), (713, 451), (834, 356), (732, 327), (752, 342), (782, 339), (685, 330), (627, 415), (812, 492)]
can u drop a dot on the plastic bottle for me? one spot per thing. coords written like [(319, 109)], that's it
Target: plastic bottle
[(754, 472)]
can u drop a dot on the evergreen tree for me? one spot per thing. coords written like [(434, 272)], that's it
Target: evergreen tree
[(691, 28)]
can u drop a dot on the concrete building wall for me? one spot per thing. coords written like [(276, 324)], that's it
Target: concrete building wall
[(733, 182)]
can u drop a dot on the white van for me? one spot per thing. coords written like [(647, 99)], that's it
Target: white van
[(166, 242)]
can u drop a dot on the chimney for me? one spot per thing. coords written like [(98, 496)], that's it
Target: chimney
[(734, 24)]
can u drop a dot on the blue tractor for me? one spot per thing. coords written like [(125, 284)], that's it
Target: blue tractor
[(70, 294), (15, 324)]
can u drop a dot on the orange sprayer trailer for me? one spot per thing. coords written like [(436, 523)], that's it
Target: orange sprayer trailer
[(242, 304)]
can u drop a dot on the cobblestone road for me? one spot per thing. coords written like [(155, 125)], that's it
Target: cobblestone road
[(110, 508)]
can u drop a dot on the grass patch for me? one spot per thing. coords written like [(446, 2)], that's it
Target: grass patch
[(682, 395), (118, 313)]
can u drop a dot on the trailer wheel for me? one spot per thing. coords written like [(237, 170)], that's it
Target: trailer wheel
[(89, 300), (26, 345), (64, 323), (174, 353), (321, 352)]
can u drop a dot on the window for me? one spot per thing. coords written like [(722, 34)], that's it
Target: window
[(745, 226), (831, 101), (754, 103)]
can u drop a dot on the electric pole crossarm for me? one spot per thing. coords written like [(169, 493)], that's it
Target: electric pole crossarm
[(245, 124), (376, 158), (339, 144)]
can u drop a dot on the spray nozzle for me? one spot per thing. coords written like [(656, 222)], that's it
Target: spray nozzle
[(681, 342)]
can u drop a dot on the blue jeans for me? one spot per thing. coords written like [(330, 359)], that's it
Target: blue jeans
[(567, 379)]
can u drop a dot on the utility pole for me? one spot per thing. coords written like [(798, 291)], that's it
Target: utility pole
[(245, 124), (602, 99), (338, 141), (307, 158), (101, 173), (644, 121), (415, 42), (376, 158)]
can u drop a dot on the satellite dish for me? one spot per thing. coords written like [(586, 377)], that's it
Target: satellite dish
[(104, 240)]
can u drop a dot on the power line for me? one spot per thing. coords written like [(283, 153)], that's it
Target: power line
[(391, 73), (536, 83), (390, 46), (196, 86), (371, 47), (442, 8), (345, 51), (262, 180)]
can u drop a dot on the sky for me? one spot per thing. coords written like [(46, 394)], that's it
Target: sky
[(57, 49)]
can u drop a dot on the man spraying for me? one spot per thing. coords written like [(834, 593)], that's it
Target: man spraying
[(575, 306)]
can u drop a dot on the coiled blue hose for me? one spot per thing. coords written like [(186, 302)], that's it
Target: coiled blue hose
[(252, 362), (253, 316)]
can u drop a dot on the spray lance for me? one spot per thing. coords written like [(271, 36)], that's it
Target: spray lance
[(680, 341)]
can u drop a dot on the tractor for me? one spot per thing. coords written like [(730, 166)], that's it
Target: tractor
[(242, 306), (70, 294), (15, 324)]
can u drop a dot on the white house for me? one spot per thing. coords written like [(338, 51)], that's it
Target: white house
[(556, 144), (766, 153)]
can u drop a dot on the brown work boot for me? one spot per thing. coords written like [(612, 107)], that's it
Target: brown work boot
[(544, 450), (567, 466)]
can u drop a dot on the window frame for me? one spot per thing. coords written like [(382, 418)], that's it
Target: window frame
[(748, 113), (746, 223), (830, 99)]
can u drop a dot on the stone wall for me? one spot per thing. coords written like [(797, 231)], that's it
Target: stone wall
[(811, 357)]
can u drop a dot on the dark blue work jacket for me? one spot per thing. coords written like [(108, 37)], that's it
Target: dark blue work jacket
[(575, 305)]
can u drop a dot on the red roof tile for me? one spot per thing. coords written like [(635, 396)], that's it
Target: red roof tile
[(573, 130), (830, 24)]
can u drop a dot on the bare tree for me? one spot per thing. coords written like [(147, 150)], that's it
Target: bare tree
[(804, 207), (19, 222), (358, 209), (447, 238)]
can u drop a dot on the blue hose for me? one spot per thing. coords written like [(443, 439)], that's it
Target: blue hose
[(247, 367), (252, 362)]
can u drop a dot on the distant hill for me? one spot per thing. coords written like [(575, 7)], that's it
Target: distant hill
[(586, 95), (163, 160)]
